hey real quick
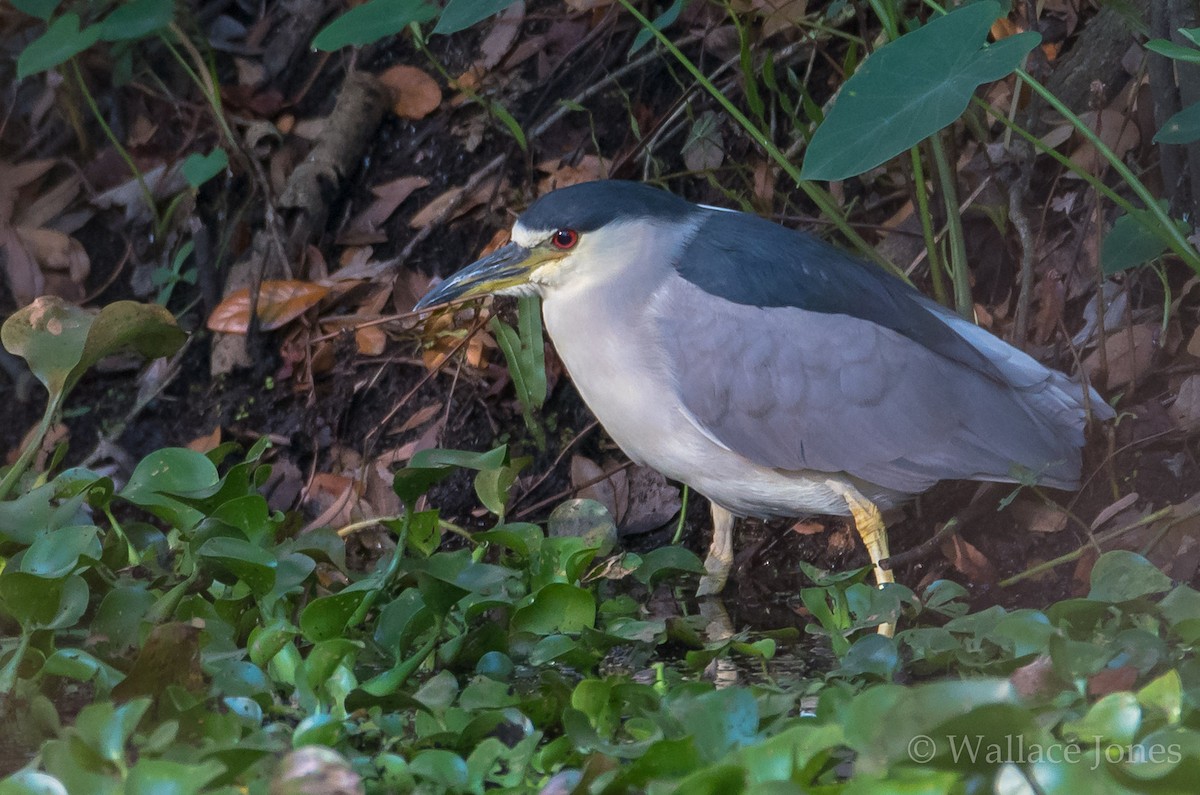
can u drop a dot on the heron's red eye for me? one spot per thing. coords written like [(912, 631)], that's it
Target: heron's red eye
[(564, 239)]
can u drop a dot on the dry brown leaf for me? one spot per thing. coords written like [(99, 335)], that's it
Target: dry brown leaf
[(1193, 346), (437, 208), (967, 559), (1130, 355), (1038, 517), (370, 340), (414, 93), (57, 252), (652, 501), (1051, 295), (808, 527), (25, 279), (500, 38), (1185, 411), (421, 416), (561, 175), (49, 204), (207, 442), (584, 474), (1114, 510), (391, 195), (279, 303), (1117, 132)]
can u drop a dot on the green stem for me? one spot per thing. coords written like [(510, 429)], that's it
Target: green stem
[(960, 277), (936, 268), (17, 469), (147, 194), (819, 197), (1093, 181), (8, 676), (1166, 228), (683, 506)]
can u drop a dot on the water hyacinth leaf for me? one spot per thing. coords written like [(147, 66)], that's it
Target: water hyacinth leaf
[(39, 603), (372, 21), (444, 769), (57, 554), (1120, 576), (246, 562), (325, 657), (1114, 718), (910, 88), (556, 608), (462, 14), (325, 617), (62, 41), (411, 483)]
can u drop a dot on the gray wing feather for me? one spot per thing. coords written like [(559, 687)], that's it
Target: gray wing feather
[(794, 390)]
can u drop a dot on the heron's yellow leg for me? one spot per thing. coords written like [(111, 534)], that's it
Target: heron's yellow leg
[(719, 562), (870, 527)]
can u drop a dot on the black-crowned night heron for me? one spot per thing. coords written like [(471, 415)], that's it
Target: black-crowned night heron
[(771, 372)]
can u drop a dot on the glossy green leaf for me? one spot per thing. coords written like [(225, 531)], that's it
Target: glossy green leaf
[(558, 607), (42, 9), (1132, 241), (371, 22), (199, 169), (137, 19), (248, 563), (1119, 576), (62, 41), (462, 14), (326, 617), (910, 88), (1182, 128), (56, 554)]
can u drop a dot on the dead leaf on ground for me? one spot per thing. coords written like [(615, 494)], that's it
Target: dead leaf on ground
[(414, 93), (1114, 510), (57, 252), (1185, 411), (439, 207), (1051, 296), (562, 175), (420, 417), (279, 303), (503, 34), (652, 501), (587, 478), (207, 442), (1038, 517), (1130, 355), (968, 560), (370, 340), (1115, 130), (365, 227), (808, 527)]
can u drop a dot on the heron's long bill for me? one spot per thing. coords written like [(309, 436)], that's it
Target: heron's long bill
[(505, 267)]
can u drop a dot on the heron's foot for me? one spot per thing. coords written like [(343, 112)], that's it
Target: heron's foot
[(716, 574), (869, 524), (719, 561)]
